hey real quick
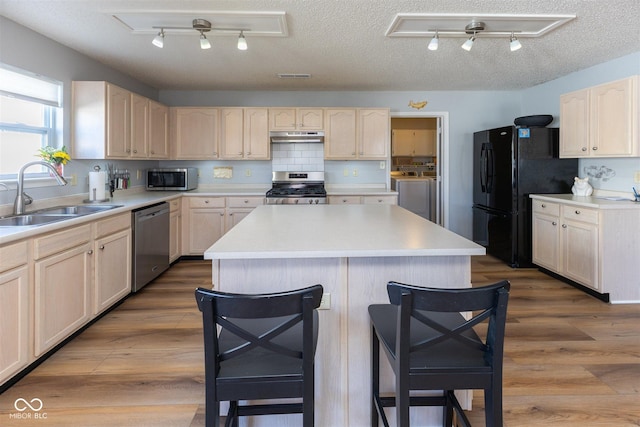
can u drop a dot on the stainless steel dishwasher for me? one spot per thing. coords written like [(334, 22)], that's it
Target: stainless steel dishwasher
[(150, 243)]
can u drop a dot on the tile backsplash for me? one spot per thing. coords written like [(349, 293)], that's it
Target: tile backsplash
[(297, 157)]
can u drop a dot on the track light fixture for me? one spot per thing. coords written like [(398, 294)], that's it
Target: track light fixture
[(202, 26), (467, 45), (159, 39), (433, 44), (242, 42), (514, 43)]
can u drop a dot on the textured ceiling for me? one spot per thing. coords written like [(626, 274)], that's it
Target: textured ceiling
[(341, 43)]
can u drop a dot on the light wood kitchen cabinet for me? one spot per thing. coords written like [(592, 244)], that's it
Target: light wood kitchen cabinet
[(356, 134), (595, 247), (62, 289), (239, 207), (112, 262), (203, 223), (373, 133), (413, 143), (244, 134), (601, 121), (295, 119), (15, 313), (158, 130), (175, 229), (194, 132), (109, 122), (139, 126)]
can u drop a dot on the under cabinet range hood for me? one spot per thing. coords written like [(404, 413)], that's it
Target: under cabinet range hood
[(286, 137)]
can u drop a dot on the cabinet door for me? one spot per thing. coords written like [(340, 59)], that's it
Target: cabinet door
[(613, 118), (402, 142), (282, 118), (205, 227), (546, 242), (62, 285), (345, 200), (340, 134), (112, 277), (380, 200), (139, 126), (574, 124), (231, 133), (14, 321), (424, 143), (195, 133), (256, 134), (175, 222), (309, 118), (235, 215), (118, 122), (580, 252), (158, 130), (373, 133)]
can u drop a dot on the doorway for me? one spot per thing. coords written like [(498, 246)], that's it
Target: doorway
[(439, 121)]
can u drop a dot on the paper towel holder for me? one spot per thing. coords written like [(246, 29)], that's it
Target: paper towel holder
[(96, 168)]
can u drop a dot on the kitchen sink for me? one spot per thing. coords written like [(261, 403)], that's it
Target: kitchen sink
[(77, 210), (54, 214), (31, 220)]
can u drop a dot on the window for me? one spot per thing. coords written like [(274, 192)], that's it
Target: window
[(30, 116)]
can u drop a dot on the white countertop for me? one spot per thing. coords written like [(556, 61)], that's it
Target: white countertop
[(598, 202), (327, 231)]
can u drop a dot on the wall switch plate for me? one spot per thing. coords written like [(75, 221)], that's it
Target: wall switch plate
[(247, 172), (325, 303), (345, 172), (382, 165), (355, 172)]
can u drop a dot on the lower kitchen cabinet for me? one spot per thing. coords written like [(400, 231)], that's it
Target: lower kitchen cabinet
[(15, 314), (595, 247), (112, 263), (62, 285), (204, 223), (367, 200), (175, 229), (239, 207)]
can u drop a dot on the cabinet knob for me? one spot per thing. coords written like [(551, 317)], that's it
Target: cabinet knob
[(543, 205), (102, 247), (246, 201), (135, 151), (577, 212), (594, 148), (554, 223), (584, 148), (248, 153), (564, 225), (153, 152), (90, 251)]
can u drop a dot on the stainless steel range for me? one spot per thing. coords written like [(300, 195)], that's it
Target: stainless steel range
[(292, 188)]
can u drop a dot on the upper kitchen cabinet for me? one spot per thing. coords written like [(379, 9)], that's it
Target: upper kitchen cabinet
[(158, 130), (194, 132), (244, 134), (413, 143), (361, 134), (109, 122), (295, 119), (601, 121)]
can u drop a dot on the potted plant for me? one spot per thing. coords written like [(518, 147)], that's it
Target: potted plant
[(55, 156)]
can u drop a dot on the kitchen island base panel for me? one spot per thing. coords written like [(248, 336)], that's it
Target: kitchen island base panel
[(343, 384)]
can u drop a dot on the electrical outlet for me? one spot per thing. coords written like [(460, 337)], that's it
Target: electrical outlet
[(355, 172), (345, 172), (74, 179), (247, 172), (382, 165), (636, 177), (138, 174), (325, 303)]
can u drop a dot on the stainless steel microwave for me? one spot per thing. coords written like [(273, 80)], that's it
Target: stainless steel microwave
[(172, 179)]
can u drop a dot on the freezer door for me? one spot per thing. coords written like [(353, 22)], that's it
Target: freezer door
[(495, 231)]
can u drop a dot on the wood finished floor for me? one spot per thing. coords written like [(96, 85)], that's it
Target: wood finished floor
[(570, 360)]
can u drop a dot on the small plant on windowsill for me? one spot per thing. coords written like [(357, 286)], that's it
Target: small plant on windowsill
[(55, 156)]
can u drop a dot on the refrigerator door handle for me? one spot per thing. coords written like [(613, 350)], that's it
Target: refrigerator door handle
[(483, 168), (490, 169)]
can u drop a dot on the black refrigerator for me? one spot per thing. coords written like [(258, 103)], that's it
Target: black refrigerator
[(509, 163)]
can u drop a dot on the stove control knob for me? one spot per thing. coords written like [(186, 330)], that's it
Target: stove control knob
[(296, 201), (317, 201), (310, 201)]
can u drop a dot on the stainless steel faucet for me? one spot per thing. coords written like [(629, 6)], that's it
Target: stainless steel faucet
[(23, 199)]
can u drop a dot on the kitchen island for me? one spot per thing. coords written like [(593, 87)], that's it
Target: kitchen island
[(353, 251)]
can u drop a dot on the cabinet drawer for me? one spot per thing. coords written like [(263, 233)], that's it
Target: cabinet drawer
[(13, 255), (577, 213), (547, 208), (174, 205), (244, 202), (344, 200), (206, 202), (112, 224), (60, 241), (379, 200)]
